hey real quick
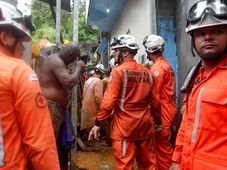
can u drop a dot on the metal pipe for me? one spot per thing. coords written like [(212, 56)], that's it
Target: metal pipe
[(58, 20), (153, 15)]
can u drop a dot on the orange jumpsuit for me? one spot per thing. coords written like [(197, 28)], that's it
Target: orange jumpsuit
[(43, 43), (130, 93), (26, 132), (202, 141), (165, 85), (92, 97)]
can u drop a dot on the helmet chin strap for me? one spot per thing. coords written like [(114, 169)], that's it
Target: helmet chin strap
[(193, 45)]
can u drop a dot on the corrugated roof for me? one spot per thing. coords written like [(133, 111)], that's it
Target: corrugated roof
[(65, 4)]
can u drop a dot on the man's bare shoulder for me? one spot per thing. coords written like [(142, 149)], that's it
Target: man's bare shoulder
[(51, 69), (53, 61), (52, 65)]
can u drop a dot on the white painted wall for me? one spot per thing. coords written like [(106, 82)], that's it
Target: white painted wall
[(25, 7), (136, 17), (27, 54)]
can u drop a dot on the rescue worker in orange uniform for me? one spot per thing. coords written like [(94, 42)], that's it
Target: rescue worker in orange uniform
[(130, 93), (26, 133), (201, 140), (44, 42), (92, 98), (165, 85)]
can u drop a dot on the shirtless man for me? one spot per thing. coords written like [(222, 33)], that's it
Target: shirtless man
[(56, 81)]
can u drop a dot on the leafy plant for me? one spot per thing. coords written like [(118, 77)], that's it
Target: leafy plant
[(45, 24)]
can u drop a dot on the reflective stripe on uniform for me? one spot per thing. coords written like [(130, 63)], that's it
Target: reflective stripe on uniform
[(124, 90), (90, 82), (172, 85), (197, 115), (1, 146), (150, 77), (124, 148)]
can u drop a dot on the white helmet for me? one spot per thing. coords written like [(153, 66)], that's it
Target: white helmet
[(92, 72), (11, 17), (153, 43), (124, 41), (100, 68), (206, 13)]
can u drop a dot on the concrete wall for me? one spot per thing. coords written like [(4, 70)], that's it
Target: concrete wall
[(27, 54), (166, 29), (136, 17), (183, 42)]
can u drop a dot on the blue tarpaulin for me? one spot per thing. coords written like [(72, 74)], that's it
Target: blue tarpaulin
[(102, 47), (68, 135)]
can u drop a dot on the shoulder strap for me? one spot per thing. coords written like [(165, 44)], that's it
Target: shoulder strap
[(189, 79)]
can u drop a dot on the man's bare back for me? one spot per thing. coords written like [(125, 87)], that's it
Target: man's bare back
[(55, 79)]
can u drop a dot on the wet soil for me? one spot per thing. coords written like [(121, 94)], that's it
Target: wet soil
[(96, 160), (98, 156)]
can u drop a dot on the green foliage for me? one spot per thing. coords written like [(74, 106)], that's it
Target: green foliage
[(45, 25), (44, 31), (85, 33)]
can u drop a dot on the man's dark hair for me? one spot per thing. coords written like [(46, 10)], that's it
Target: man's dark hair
[(158, 52), (132, 52), (71, 49)]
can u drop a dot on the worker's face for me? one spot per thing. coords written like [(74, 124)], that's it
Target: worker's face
[(14, 46), (119, 55), (7, 40), (150, 56), (211, 42), (19, 49), (116, 55)]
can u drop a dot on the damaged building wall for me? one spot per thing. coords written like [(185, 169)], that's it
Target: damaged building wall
[(183, 43), (166, 29), (136, 21)]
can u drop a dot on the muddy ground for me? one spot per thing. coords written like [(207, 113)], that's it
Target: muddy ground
[(97, 156)]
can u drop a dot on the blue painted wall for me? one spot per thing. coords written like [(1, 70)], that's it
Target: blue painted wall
[(166, 29)]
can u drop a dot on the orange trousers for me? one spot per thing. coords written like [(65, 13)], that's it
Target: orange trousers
[(163, 148), (126, 151)]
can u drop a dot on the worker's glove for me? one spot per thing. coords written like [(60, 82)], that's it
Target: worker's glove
[(158, 128), (94, 133)]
